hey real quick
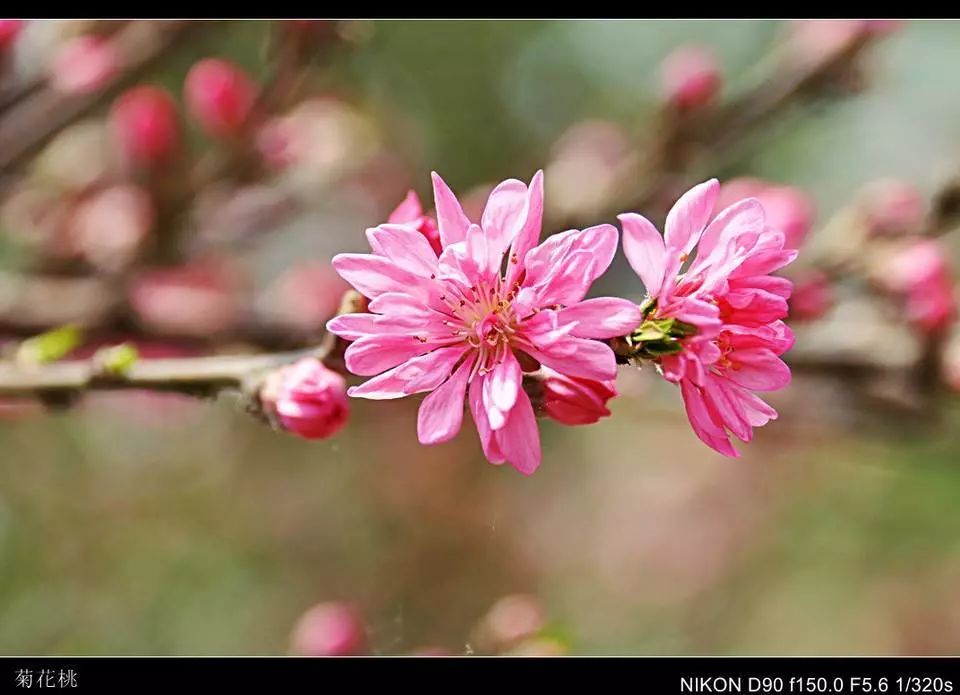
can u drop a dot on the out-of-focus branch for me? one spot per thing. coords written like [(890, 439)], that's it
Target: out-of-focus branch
[(688, 145), (44, 112)]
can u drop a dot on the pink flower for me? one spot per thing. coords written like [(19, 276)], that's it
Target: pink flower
[(84, 64), (410, 212), (461, 325), (220, 96), (308, 399), (690, 77), (715, 329), (922, 275), (329, 629), (144, 121), (574, 400)]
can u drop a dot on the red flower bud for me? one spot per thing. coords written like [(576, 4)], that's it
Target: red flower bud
[(690, 77), (574, 400), (9, 30), (144, 122), (219, 96)]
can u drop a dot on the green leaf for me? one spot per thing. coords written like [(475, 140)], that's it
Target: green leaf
[(50, 346), (117, 360)]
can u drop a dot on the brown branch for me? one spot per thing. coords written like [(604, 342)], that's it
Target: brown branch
[(44, 112)]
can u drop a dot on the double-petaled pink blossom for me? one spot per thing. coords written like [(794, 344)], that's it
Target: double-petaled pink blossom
[(466, 323), (716, 328)]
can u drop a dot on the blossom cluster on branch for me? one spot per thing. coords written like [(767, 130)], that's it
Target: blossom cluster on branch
[(130, 236)]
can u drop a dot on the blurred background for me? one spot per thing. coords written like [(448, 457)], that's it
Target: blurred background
[(183, 186)]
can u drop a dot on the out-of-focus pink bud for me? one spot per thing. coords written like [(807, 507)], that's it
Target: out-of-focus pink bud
[(510, 620), (922, 275), (200, 299), (892, 207), (9, 30), (574, 400), (329, 629), (84, 64), (110, 227), (144, 122), (690, 77), (306, 295), (410, 212), (788, 209), (812, 296), (220, 96), (308, 399)]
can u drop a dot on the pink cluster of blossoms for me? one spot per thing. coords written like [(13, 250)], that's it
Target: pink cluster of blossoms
[(461, 310)]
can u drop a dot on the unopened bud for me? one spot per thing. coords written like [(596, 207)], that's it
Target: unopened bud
[(307, 399), (84, 64), (690, 77), (144, 122), (329, 629), (220, 96)]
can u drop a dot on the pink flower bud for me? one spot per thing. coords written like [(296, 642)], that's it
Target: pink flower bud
[(575, 400), (308, 399), (690, 77), (892, 207), (329, 629), (788, 208), (922, 275), (410, 212), (9, 30), (84, 64), (220, 96), (812, 296), (110, 227), (144, 122), (199, 299)]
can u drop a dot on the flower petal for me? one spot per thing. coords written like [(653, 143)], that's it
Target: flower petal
[(505, 380), (407, 248), (571, 356), (441, 413), (451, 220), (374, 275), (519, 440), (689, 215), (529, 233), (423, 373), (645, 251), (377, 353), (709, 432), (602, 317), (505, 213), (488, 439)]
